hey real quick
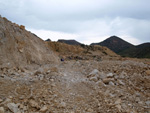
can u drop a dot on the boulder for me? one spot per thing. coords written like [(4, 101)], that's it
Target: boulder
[(13, 107), (148, 72), (95, 79), (93, 73), (110, 75), (107, 80), (33, 104), (44, 109), (2, 110)]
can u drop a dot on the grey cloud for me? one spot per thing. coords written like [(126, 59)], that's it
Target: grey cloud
[(92, 17)]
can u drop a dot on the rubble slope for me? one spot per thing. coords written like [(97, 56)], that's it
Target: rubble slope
[(19, 46)]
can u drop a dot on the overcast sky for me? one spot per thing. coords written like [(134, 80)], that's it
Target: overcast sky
[(86, 21)]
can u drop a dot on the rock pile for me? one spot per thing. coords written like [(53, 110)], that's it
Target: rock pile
[(76, 86), (19, 47)]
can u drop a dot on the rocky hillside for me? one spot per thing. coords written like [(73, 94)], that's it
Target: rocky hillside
[(83, 52), (70, 42), (115, 43), (19, 46)]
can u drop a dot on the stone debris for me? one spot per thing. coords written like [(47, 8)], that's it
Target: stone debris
[(81, 90)]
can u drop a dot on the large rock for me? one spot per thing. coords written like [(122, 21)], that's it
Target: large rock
[(107, 80), (148, 72), (94, 73), (13, 107), (33, 104), (44, 109), (2, 110)]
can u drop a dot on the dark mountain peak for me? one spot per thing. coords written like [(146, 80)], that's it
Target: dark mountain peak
[(70, 42), (116, 39), (48, 39), (115, 43)]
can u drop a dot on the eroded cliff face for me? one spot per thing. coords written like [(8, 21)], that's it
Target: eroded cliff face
[(18, 46)]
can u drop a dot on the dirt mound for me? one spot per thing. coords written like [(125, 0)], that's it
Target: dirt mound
[(83, 52), (18, 46)]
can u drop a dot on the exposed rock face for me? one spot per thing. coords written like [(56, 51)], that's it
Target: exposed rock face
[(18, 46)]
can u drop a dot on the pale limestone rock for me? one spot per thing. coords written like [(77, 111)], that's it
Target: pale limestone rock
[(110, 75), (90, 110), (120, 82), (2, 110), (13, 107), (107, 80), (147, 103), (62, 104), (148, 72), (33, 104), (118, 101), (44, 109), (111, 83), (118, 107), (93, 73), (102, 75), (95, 79)]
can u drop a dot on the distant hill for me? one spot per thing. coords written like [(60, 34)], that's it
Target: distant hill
[(70, 42), (115, 43), (139, 51), (126, 49), (48, 39)]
